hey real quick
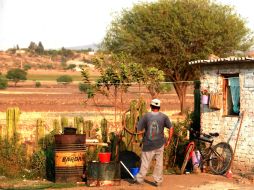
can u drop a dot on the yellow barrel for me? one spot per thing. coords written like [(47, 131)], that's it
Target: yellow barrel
[(69, 158)]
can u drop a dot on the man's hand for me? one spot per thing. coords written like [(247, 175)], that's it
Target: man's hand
[(167, 143), (170, 134)]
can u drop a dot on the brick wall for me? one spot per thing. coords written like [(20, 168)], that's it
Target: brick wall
[(214, 121)]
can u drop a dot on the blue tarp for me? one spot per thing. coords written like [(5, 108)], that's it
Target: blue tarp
[(235, 93)]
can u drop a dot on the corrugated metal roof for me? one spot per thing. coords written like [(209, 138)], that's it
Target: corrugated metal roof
[(223, 60)]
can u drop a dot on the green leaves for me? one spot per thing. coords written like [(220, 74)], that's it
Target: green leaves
[(16, 75), (167, 34)]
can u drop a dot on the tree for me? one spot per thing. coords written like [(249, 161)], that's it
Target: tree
[(39, 49), (167, 34), (32, 46), (3, 82), (16, 75), (65, 79)]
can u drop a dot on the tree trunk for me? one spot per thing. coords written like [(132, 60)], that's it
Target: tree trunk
[(181, 93)]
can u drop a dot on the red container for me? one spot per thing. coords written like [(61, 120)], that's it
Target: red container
[(104, 157)]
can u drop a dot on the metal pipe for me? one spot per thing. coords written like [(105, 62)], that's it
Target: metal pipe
[(127, 170)]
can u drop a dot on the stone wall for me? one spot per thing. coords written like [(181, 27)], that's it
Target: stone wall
[(213, 120)]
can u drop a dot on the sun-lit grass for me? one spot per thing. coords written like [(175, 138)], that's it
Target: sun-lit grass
[(53, 77)]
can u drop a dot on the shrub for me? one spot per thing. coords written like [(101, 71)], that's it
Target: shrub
[(65, 79), (83, 87), (26, 67), (87, 88), (12, 158), (16, 75), (3, 82), (71, 66), (165, 87), (37, 84)]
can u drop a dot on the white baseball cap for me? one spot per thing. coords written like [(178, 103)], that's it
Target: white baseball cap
[(156, 102)]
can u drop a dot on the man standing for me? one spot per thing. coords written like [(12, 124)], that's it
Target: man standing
[(153, 142)]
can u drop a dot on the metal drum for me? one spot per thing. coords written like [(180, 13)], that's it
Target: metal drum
[(70, 158), (93, 173), (109, 174), (103, 174)]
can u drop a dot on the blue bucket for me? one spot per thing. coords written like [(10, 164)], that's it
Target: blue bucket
[(134, 171)]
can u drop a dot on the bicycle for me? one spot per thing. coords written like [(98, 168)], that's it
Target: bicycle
[(217, 157)]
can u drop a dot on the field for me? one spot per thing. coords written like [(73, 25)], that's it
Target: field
[(55, 97)]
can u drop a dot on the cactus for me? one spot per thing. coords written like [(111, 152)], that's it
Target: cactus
[(78, 124), (1, 132), (104, 130), (40, 131), (87, 129), (12, 118), (137, 109), (64, 122), (56, 126)]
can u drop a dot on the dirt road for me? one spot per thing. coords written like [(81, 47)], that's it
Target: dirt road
[(184, 182), (201, 181)]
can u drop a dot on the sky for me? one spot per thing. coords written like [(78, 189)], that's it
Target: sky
[(70, 23)]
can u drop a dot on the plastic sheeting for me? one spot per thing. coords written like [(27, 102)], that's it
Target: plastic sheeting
[(235, 93)]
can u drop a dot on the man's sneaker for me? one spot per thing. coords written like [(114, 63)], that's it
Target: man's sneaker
[(157, 184)]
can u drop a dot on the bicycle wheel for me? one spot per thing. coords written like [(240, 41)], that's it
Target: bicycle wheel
[(186, 158), (220, 158)]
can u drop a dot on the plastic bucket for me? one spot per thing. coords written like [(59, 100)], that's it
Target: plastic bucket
[(134, 171), (104, 157), (205, 99)]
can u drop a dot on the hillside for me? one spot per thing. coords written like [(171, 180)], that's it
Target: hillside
[(22, 58)]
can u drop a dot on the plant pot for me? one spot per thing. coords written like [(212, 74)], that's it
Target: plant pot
[(204, 99), (104, 157)]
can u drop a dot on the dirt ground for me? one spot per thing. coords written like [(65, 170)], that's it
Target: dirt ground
[(59, 98), (203, 181)]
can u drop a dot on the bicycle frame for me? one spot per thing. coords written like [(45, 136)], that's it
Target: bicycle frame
[(209, 153)]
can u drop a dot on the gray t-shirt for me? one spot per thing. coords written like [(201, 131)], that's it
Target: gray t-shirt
[(153, 123)]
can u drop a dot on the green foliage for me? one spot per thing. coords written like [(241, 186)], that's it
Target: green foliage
[(65, 79), (67, 53), (12, 119), (104, 130), (16, 75), (26, 67), (88, 126), (38, 164), (3, 82), (176, 150), (63, 62), (167, 34), (32, 47), (56, 126), (136, 111), (165, 87), (154, 77), (42, 161), (79, 124), (37, 84), (40, 49), (12, 158), (83, 87), (71, 66), (64, 122), (86, 87), (118, 72)]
